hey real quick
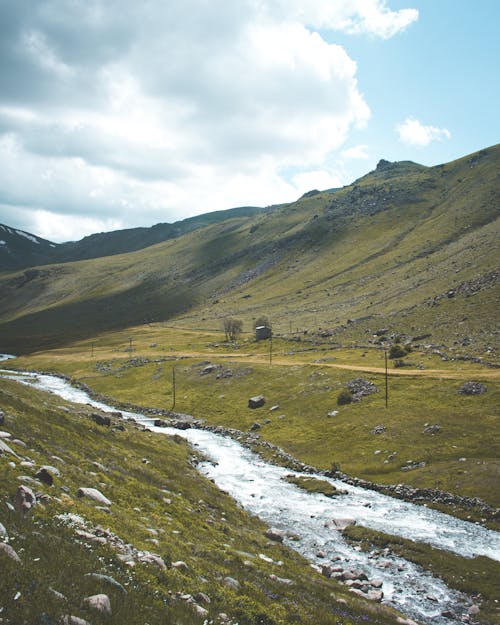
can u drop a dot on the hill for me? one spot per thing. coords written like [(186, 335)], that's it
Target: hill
[(405, 251), (21, 249)]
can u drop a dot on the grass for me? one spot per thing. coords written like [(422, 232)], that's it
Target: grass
[(152, 485), (374, 254), (313, 485), (303, 385), (474, 576)]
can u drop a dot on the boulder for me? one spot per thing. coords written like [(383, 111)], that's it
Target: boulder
[(44, 476), (152, 558), (232, 583), (180, 565), (100, 603), (256, 402), (24, 499), (9, 552), (274, 534), (69, 619), (4, 448), (199, 611), (94, 494), (3, 532), (101, 419), (341, 524), (107, 579), (255, 426)]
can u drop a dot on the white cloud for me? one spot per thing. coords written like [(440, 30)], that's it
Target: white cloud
[(414, 133), (356, 152), (371, 17), (144, 112), (319, 179)]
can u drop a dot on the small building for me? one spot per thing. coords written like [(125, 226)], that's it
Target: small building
[(263, 332)]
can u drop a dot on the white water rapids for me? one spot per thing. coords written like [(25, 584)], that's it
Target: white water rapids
[(260, 488)]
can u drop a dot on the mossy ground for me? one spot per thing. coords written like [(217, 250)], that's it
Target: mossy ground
[(152, 484)]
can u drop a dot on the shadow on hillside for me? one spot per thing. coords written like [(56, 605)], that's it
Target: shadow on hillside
[(65, 324)]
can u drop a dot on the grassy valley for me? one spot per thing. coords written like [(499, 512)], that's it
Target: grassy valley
[(406, 256)]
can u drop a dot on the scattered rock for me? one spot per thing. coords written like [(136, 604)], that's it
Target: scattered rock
[(379, 429), (9, 552), (100, 603), (24, 499), (94, 494), (432, 429), (256, 402), (360, 387), (152, 558), (4, 448), (472, 388), (201, 597), (2, 417), (341, 524), (180, 565), (100, 419), (232, 583), (274, 534), (5, 434), (69, 619), (255, 426), (332, 413), (201, 612), (3, 532), (208, 369), (44, 476), (108, 579)]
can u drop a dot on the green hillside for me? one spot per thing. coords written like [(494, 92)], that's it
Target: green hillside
[(408, 249)]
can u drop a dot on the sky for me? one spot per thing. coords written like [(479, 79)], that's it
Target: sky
[(119, 113)]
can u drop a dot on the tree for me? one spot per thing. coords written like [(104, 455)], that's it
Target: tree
[(262, 321), (232, 328)]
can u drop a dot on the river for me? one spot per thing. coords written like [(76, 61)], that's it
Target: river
[(309, 518)]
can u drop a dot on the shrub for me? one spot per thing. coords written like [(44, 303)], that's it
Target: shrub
[(397, 351), (344, 397)]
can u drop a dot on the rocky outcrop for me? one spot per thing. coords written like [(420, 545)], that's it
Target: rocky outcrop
[(472, 388), (360, 388)]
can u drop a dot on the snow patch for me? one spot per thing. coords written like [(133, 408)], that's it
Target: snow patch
[(28, 236), (3, 243)]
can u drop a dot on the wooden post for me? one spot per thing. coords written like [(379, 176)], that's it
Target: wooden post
[(92, 350), (271, 350), (386, 381), (173, 386)]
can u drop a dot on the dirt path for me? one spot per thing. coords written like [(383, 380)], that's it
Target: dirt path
[(482, 374)]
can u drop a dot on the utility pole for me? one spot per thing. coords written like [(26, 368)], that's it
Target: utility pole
[(173, 386), (386, 381)]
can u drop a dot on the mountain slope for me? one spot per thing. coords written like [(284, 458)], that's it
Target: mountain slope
[(20, 249), (406, 247)]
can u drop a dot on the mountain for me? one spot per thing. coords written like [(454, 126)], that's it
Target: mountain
[(408, 249), (21, 249)]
